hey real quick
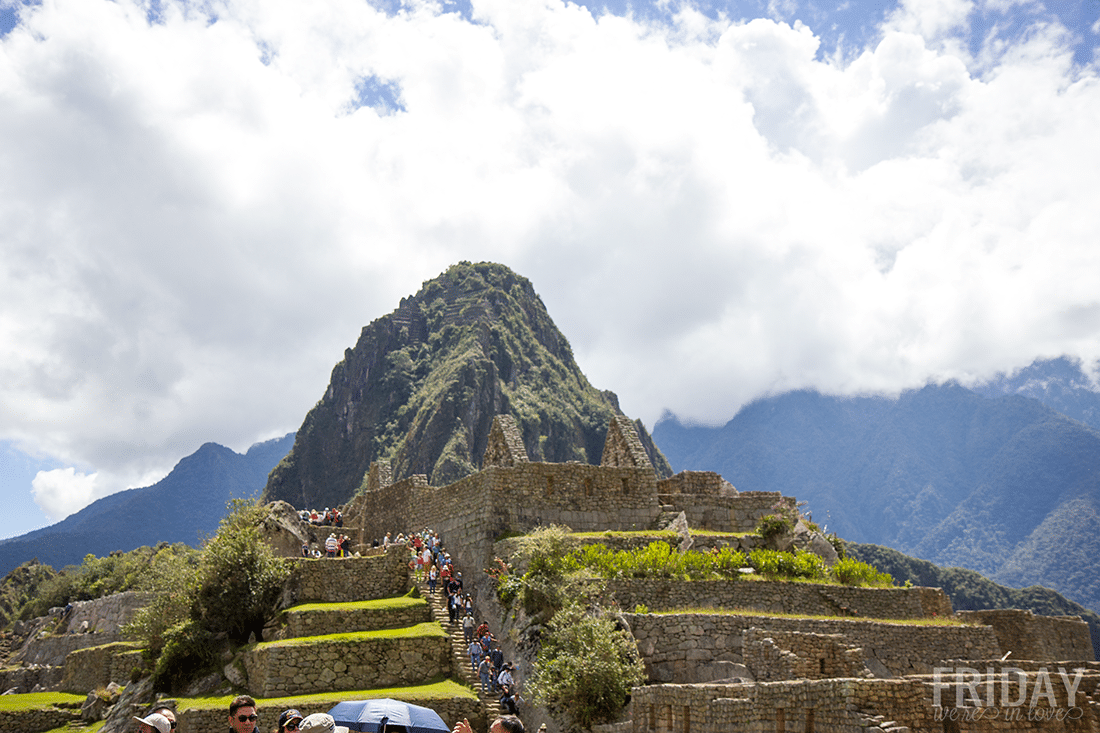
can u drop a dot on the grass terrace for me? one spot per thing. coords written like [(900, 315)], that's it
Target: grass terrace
[(932, 621), (426, 629)]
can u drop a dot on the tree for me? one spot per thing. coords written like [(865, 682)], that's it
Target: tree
[(586, 667)]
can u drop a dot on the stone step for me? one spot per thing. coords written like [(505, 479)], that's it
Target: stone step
[(350, 661)]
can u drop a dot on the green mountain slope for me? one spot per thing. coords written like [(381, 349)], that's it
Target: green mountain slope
[(970, 590), (423, 383)]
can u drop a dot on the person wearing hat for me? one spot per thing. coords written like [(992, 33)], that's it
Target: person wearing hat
[(168, 713), (320, 723), (154, 723), (289, 721)]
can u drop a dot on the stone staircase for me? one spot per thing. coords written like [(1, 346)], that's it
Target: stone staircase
[(459, 656)]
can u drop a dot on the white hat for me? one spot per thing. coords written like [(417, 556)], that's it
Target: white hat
[(158, 721), (320, 723)]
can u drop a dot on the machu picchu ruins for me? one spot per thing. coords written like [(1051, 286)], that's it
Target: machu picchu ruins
[(759, 656)]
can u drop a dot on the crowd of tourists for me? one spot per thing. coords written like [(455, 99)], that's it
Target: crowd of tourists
[(327, 518), (430, 562)]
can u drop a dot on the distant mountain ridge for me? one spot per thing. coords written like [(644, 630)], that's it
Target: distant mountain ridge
[(184, 506), (423, 383), (1002, 485)]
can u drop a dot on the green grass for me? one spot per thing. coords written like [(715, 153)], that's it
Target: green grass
[(428, 628), (380, 604), (933, 621), (443, 690), (31, 700)]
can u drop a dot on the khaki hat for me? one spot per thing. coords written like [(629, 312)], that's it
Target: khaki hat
[(320, 723), (158, 721)]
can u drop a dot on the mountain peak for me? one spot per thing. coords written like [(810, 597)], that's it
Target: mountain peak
[(423, 383)]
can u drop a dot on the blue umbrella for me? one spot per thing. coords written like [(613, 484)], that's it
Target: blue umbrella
[(372, 715)]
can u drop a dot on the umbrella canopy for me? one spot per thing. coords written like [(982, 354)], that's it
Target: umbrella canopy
[(369, 715)]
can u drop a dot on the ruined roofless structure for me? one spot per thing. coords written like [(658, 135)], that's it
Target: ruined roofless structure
[(513, 494)]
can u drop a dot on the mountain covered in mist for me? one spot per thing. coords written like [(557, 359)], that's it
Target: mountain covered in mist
[(1003, 485), (422, 385), (184, 506)]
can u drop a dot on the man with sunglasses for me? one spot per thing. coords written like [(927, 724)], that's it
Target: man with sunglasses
[(243, 715)]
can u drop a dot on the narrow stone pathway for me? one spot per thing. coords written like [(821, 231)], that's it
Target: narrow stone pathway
[(489, 702)]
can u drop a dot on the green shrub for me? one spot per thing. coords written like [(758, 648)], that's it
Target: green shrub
[(798, 564), (239, 578), (854, 572), (189, 650), (586, 667)]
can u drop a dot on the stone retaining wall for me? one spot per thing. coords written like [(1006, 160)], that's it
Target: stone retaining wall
[(35, 678), (723, 513), (340, 580), (821, 706), (95, 667), (810, 599), (790, 655), (52, 650), (322, 664), (1029, 636), (31, 721), (675, 647), (451, 710), (105, 615), (318, 622)]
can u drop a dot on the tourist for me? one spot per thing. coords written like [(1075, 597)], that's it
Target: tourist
[(330, 546), (468, 628), (485, 672), (320, 723), (289, 721), (168, 713), (503, 724), (154, 723), (476, 653), (505, 678), (433, 577), (509, 699), (243, 715)]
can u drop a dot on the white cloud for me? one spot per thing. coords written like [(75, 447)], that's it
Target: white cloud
[(197, 219), (63, 491)]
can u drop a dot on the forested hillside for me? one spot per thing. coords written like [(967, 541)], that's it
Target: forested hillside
[(970, 591), (1004, 486)]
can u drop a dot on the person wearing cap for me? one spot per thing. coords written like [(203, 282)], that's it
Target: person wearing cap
[(154, 723), (320, 723), (289, 721), (243, 715), (503, 724), (168, 713)]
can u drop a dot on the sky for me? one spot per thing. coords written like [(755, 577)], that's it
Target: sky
[(202, 203)]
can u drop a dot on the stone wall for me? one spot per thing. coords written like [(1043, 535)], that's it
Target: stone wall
[(105, 615), (1029, 636), (822, 706), (809, 599), (790, 655), (35, 678), (359, 662), (675, 647), (95, 667), (52, 650), (451, 710), (470, 513), (707, 505), (339, 580), (30, 721), (364, 617)]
